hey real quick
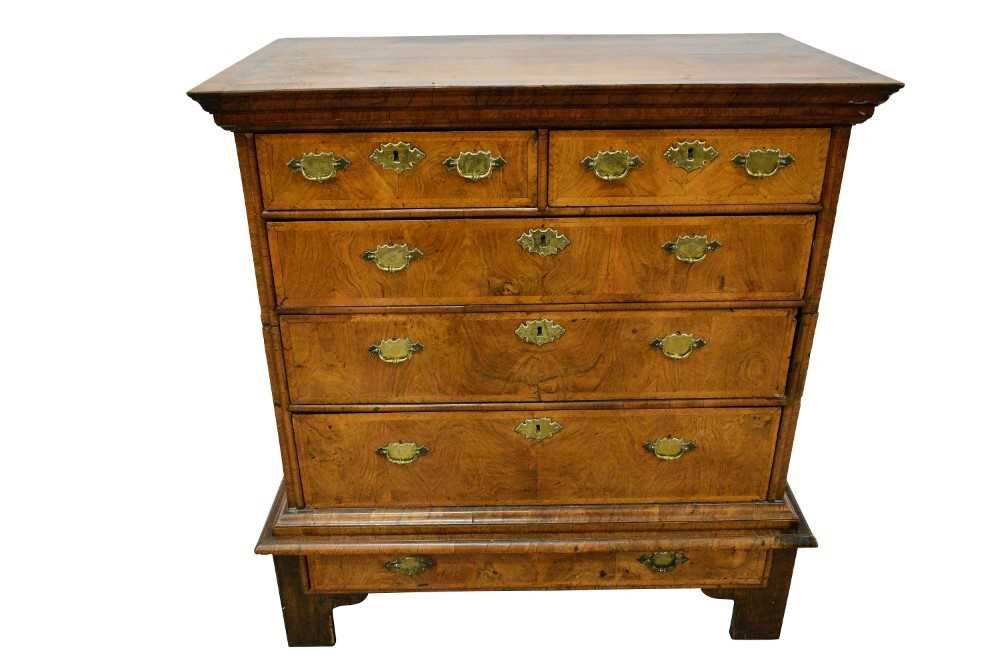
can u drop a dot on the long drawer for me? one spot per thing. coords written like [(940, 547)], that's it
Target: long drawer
[(319, 264), (524, 356), (701, 567), (535, 457)]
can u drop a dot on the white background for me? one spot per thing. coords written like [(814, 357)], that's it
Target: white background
[(138, 442)]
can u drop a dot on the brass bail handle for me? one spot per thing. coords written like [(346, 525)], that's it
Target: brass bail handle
[(663, 561), (763, 162), (319, 167), (612, 165), (474, 165)]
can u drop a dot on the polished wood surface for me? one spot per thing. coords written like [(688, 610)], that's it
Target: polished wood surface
[(364, 184), (479, 459), (658, 181), (319, 264), (478, 357)]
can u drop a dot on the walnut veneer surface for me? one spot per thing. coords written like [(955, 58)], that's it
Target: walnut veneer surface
[(538, 310)]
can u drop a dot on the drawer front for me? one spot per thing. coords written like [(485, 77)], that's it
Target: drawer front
[(469, 357), (535, 457), (796, 157), (470, 181), (320, 264), (699, 567)]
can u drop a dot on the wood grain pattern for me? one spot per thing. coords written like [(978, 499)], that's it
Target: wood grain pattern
[(365, 184), (477, 357), (308, 617), (479, 459), (704, 568), (480, 261), (658, 181)]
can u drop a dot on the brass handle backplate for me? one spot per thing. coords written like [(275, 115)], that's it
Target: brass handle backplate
[(539, 332), (543, 242), (663, 561), (690, 155), (411, 566), (396, 350), (402, 453), (611, 165), (319, 167), (398, 157), (691, 248), (763, 162), (678, 345), (392, 257), (538, 428), (669, 448), (474, 165)]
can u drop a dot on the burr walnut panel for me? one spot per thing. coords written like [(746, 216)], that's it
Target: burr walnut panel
[(320, 264), (472, 357)]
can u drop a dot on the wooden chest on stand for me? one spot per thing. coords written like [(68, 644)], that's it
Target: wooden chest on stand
[(538, 310)]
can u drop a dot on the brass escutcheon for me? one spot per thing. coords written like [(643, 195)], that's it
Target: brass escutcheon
[(691, 248), (402, 453), (411, 566), (396, 350), (474, 165), (544, 242), (678, 345), (663, 561), (319, 167), (690, 155), (611, 165), (763, 162), (392, 257), (398, 157), (669, 448), (538, 428), (539, 332)]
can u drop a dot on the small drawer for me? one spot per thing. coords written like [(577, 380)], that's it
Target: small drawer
[(535, 457), (686, 167), (566, 260), (696, 567), (528, 356), (398, 170)]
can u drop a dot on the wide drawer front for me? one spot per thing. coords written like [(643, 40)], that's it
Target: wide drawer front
[(469, 357), (648, 167), (535, 457), (398, 170), (320, 264), (701, 567)]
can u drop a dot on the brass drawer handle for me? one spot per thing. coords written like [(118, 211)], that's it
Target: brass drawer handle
[(669, 448), (691, 248), (543, 242), (611, 165), (678, 345), (763, 162), (392, 257), (474, 165), (663, 561), (398, 157), (411, 566), (539, 332), (402, 453), (538, 428), (690, 155), (319, 167), (396, 350)]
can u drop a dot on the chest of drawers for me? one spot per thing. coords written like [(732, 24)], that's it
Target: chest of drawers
[(538, 310)]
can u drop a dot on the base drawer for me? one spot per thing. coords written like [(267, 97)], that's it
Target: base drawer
[(448, 571)]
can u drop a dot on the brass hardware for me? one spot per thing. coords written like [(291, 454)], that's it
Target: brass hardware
[(319, 167), (663, 561), (392, 257), (396, 350), (763, 162), (411, 566), (474, 165), (678, 345), (669, 448), (690, 155), (538, 428), (398, 157), (611, 165), (539, 332), (543, 242), (402, 453), (691, 249)]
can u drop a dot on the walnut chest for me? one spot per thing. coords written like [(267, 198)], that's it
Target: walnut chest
[(538, 310)]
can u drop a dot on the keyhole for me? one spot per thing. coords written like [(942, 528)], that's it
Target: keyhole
[(539, 331), (690, 153), (538, 428), (395, 156), (541, 240)]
